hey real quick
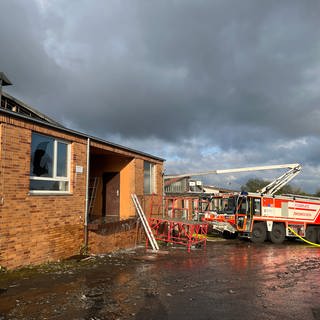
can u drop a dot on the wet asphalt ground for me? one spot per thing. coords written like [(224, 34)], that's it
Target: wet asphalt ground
[(230, 279)]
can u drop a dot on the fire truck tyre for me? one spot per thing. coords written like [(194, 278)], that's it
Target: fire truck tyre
[(228, 235), (318, 235), (278, 233), (259, 233), (311, 234)]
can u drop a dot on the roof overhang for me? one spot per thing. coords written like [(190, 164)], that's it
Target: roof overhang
[(4, 80)]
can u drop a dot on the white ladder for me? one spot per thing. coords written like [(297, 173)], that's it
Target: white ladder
[(145, 223)]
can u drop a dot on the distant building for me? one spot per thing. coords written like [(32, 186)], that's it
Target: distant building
[(182, 185), (185, 198)]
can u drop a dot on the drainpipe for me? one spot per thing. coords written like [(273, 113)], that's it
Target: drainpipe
[(86, 216), (0, 90), (163, 197)]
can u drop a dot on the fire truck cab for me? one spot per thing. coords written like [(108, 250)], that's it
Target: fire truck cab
[(261, 217)]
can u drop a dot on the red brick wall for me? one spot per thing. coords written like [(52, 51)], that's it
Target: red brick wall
[(150, 203), (105, 243), (37, 228)]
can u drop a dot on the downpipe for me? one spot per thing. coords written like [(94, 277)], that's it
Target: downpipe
[(86, 216)]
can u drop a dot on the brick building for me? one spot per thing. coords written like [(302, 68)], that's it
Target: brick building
[(62, 191)]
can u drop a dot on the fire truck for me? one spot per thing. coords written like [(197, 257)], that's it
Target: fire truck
[(262, 215)]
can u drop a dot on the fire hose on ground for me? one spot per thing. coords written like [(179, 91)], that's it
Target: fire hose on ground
[(309, 242)]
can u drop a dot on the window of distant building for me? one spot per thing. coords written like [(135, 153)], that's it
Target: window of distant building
[(149, 178), (49, 165)]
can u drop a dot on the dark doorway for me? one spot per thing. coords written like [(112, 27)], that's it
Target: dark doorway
[(111, 196)]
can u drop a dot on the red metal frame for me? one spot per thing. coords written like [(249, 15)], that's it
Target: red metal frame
[(184, 232)]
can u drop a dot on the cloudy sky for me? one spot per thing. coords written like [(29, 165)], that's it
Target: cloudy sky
[(206, 84)]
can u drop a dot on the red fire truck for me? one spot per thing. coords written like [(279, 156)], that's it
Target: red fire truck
[(263, 215)]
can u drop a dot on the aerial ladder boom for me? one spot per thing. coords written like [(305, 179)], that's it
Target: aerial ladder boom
[(270, 189), (278, 183)]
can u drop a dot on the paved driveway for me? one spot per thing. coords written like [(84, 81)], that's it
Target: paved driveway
[(229, 280)]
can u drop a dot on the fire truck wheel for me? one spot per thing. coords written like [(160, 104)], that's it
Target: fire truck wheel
[(229, 235), (312, 234), (259, 232), (278, 233), (318, 235)]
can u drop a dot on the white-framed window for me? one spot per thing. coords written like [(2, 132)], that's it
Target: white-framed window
[(49, 165), (149, 177)]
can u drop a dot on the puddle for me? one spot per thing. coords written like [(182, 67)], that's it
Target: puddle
[(227, 278)]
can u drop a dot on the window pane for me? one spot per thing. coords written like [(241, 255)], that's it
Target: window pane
[(147, 177), (41, 156), (62, 159), (45, 185)]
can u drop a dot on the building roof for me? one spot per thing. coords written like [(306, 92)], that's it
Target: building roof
[(222, 190), (5, 80), (21, 110), (169, 181), (13, 104)]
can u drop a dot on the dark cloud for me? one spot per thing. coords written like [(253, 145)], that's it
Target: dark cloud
[(22, 53), (174, 78)]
